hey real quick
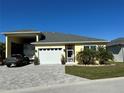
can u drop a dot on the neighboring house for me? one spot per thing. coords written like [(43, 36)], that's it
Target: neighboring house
[(117, 48), (49, 46)]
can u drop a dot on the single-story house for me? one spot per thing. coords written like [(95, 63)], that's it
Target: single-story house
[(49, 46), (116, 46)]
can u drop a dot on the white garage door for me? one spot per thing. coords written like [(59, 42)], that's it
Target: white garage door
[(50, 55)]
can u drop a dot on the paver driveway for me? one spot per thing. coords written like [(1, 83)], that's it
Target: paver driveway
[(32, 76)]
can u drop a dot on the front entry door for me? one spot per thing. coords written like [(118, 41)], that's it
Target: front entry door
[(70, 55)]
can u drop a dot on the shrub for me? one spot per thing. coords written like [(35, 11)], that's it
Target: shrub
[(104, 55), (79, 57), (90, 56), (63, 60), (36, 61), (86, 57)]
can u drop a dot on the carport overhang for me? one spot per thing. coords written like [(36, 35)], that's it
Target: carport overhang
[(17, 37)]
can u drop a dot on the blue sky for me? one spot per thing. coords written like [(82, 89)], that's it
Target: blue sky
[(94, 18)]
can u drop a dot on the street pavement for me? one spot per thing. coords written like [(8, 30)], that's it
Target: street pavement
[(112, 85)]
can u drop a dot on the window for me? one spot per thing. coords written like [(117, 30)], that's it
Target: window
[(90, 47), (60, 49), (44, 49), (86, 47), (48, 49), (56, 48), (52, 48), (93, 47)]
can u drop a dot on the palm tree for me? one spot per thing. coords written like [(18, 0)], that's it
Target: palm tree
[(86, 56), (104, 55)]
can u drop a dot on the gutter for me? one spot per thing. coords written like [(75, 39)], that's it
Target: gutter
[(72, 42), (26, 32)]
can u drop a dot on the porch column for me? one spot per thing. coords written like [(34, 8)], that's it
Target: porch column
[(37, 38), (8, 47)]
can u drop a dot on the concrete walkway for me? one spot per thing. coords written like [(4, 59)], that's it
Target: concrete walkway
[(114, 85)]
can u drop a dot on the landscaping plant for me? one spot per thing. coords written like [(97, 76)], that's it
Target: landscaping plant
[(104, 55), (86, 57), (89, 56), (63, 60), (36, 61)]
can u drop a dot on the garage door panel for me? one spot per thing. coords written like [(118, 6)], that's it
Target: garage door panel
[(50, 56)]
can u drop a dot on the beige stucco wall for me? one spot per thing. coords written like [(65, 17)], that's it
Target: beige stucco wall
[(78, 48)]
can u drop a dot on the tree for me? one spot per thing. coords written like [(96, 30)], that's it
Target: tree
[(86, 57), (104, 55)]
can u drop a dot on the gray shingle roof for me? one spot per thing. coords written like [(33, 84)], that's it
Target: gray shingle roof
[(118, 41), (61, 37)]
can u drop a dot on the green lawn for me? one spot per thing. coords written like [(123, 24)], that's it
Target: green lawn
[(96, 72)]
